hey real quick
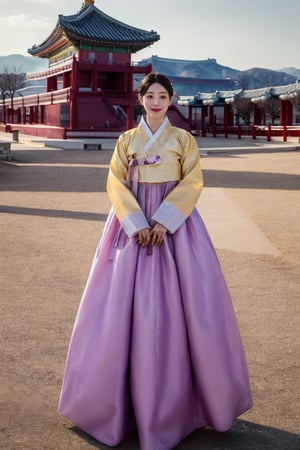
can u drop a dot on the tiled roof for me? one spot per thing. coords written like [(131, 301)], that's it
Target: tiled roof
[(219, 97), (93, 26), (90, 26)]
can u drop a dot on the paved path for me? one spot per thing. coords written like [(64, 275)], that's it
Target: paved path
[(53, 207), (236, 231)]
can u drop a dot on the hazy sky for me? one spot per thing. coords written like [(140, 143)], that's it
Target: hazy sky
[(239, 34)]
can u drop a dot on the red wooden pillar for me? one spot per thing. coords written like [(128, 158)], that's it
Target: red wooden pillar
[(130, 118), (255, 115), (284, 133), (239, 132), (51, 83), (231, 118), (94, 78), (263, 116), (225, 115), (258, 115), (73, 95), (194, 121), (68, 79), (7, 114), (288, 113), (190, 117), (31, 114), (282, 112), (211, 116), (227, 118), (130, 109), (65, 79), (42, 113), (126, 81), (203, 115)]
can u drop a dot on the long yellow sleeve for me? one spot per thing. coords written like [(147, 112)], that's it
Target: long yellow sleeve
[(124, 203), (181, 201)]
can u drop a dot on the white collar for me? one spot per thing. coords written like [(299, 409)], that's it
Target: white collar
[(156, 134)]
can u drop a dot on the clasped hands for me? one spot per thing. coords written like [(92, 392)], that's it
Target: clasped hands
[(153, 236)]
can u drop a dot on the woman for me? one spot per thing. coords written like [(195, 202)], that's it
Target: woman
[(155, 344)]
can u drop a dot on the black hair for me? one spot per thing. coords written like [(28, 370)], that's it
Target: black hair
[(152, 78)]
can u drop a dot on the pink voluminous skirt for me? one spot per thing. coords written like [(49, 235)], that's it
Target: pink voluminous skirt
[(155, 345)]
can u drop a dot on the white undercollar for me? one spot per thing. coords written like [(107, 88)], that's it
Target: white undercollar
[(153, 136)]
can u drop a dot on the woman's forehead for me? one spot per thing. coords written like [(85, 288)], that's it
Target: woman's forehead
[(157, 87)]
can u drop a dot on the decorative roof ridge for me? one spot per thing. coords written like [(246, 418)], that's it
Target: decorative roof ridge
[(80, 14), (283, 92), (165, 58)]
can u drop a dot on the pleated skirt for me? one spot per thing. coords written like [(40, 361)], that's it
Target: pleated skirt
[(155, 345)]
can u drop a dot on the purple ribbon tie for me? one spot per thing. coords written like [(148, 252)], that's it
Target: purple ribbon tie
[(133, 173)]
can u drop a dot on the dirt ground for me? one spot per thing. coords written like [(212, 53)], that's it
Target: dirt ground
[(53, 208)]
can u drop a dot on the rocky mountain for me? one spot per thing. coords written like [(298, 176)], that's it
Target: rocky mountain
[(258, 78), (206, 69), (210, 70), (292, 71), (23, 63)]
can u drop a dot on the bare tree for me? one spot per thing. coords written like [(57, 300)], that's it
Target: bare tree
[(271, 108), (243, 108), (10, 81), (4, 93), (296, 101)]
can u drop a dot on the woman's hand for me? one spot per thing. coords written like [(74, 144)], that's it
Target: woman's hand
[(144, 237), (158, 233)]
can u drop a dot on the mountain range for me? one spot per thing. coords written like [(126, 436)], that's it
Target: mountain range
[(191, 70)]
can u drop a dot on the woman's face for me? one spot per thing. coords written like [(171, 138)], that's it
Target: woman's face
[(156, 102)]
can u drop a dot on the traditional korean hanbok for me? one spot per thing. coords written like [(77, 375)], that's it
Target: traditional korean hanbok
[(155, 344)]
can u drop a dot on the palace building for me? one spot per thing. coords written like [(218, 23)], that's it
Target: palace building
[(277, 105), (89, 81)]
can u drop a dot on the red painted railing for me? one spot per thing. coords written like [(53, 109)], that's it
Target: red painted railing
[(47, 98)]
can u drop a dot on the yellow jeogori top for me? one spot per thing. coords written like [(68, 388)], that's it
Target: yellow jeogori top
[(179, 161)]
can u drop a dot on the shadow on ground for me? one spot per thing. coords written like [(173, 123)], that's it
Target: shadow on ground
[(242, 436), (87, 179), (251, 180), (53, 179), (78, 215)]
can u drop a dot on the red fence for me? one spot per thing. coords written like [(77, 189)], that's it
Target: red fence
[(253, 131)]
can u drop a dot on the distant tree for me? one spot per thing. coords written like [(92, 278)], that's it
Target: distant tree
[(4, 93), (296, 101), (243, 109), (10, 81), (271, 107)]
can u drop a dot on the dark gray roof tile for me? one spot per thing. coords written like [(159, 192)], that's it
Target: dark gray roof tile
[(94, 25)]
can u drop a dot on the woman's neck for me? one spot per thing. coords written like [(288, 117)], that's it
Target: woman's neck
[(153, 124)]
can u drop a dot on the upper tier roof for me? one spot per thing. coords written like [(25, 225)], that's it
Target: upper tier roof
[(91, 26)]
